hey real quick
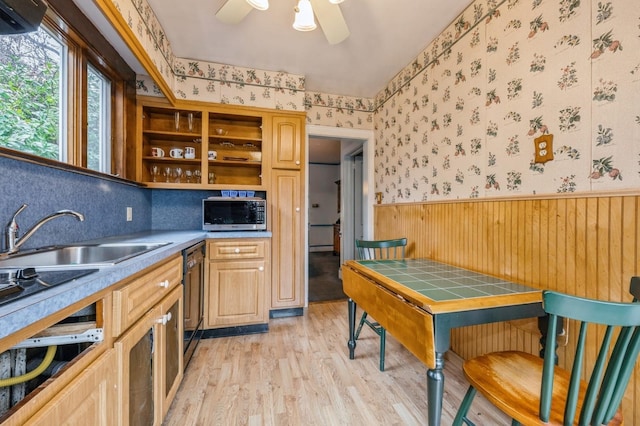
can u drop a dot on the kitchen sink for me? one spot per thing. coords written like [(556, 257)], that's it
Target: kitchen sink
[(80, 256)]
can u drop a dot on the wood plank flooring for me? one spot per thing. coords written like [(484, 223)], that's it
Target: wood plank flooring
[(300, 373)]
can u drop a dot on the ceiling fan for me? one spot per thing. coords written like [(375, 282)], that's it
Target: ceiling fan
[(327, 12)]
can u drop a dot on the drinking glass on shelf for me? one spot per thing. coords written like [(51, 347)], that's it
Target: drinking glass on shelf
[(177, 174), (198, 175), (190, 121), (155, 171), (177, 120), (167, 174), (212, 177), (187, 175)]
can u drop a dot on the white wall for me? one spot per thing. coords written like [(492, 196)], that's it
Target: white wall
[(323, 191)]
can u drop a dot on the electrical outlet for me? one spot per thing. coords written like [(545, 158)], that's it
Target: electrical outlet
[(129, 214), (543, 148)]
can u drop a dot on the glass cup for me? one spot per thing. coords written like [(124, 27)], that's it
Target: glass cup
[(212, 177), (155, 171), (177, 174), (190, 121), (167, 174), (188, 175), (177, 120)]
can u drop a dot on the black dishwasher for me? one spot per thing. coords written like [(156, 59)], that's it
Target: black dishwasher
[(193, 281)]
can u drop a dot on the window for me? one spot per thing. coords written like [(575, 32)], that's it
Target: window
[(31, 113), (66, 95), (98, 121)]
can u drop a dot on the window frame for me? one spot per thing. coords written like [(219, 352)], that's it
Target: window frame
[(86, 45)]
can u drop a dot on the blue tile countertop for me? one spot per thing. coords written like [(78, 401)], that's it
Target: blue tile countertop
[(17, 315)]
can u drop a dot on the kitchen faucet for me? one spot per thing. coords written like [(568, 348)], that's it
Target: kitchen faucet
[(13, 242)]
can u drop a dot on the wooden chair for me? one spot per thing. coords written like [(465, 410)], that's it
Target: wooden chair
[(379, 249), (533, 391)]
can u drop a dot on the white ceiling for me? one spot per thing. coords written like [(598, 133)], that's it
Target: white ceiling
[(386, 35)]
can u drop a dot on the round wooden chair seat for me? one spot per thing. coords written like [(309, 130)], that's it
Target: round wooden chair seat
[(511, 381)]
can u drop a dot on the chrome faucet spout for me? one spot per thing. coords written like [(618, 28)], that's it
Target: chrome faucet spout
[(13, 242)]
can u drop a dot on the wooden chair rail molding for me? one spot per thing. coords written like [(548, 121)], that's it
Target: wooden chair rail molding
[(582, 244)]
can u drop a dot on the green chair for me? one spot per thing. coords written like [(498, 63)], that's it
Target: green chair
[(532, 390), (379, 249)]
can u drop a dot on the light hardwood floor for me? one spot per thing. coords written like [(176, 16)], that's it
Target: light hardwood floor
[(299, 373)]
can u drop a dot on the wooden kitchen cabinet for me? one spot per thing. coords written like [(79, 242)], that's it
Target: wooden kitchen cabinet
[(287, 222), (150, 363), (81, 383), (238, 277), (287, 147), (233, 132), (133, 300), (287, 208), (139, 358), (148, 324), (90, 399)]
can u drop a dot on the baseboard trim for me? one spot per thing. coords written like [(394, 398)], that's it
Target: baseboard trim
[(240, 330), (283, 313)]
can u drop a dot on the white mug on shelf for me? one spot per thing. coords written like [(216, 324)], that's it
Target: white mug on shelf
[(213, 155), (189, 152), (157, 152), (176, 153)]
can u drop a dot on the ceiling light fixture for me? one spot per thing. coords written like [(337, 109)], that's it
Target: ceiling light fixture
[(335, 1), (259, 4), (304, 20)]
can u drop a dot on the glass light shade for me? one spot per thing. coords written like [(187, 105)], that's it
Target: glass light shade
[(259, 4), (304, 20), (335, 1)]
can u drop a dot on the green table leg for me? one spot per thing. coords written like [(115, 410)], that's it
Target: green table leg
[(435, 390), (352, 326)]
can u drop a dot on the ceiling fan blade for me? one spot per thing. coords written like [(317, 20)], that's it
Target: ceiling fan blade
[(233, 11), (331, 20)]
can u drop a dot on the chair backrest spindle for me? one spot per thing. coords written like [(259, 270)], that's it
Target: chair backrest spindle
[(381, 249), (612, 369)]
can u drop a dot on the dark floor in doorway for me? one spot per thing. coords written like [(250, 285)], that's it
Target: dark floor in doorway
[(324, 284)]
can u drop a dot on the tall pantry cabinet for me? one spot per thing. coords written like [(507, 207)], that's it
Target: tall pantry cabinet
[(286, 200)]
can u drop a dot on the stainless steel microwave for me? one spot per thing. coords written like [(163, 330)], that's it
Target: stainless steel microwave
[(234, 214)]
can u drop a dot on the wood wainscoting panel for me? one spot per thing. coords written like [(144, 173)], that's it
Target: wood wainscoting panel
[(586, 245)]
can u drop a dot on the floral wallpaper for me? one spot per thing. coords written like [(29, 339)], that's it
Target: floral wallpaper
[(339, 111), (461, 119), (226, 84)]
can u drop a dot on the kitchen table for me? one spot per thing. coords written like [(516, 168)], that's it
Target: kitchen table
[(419, 301)]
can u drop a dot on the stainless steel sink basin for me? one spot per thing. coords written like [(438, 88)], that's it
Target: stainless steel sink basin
[(82, 256)]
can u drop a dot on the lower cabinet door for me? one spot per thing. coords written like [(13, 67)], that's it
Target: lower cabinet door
[(150, 363), (90, 399), (172, 345), (138, 373), (236, 293)]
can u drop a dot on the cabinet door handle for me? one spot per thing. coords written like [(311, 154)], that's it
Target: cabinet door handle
[(297, 162), (261, 268), (297, 209), (164, 284), (237, 250), (164, 319)]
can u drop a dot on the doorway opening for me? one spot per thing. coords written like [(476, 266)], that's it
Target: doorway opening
[(342, 186)]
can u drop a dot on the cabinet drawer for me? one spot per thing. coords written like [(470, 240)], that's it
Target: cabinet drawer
[(236, 249), (139, 295)]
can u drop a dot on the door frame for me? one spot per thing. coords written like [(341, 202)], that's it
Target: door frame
[(351, 141)]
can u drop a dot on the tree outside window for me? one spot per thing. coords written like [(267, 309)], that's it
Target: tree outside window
[(30, 94)]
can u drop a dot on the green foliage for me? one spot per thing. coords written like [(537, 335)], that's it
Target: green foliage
[(30, 94)]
